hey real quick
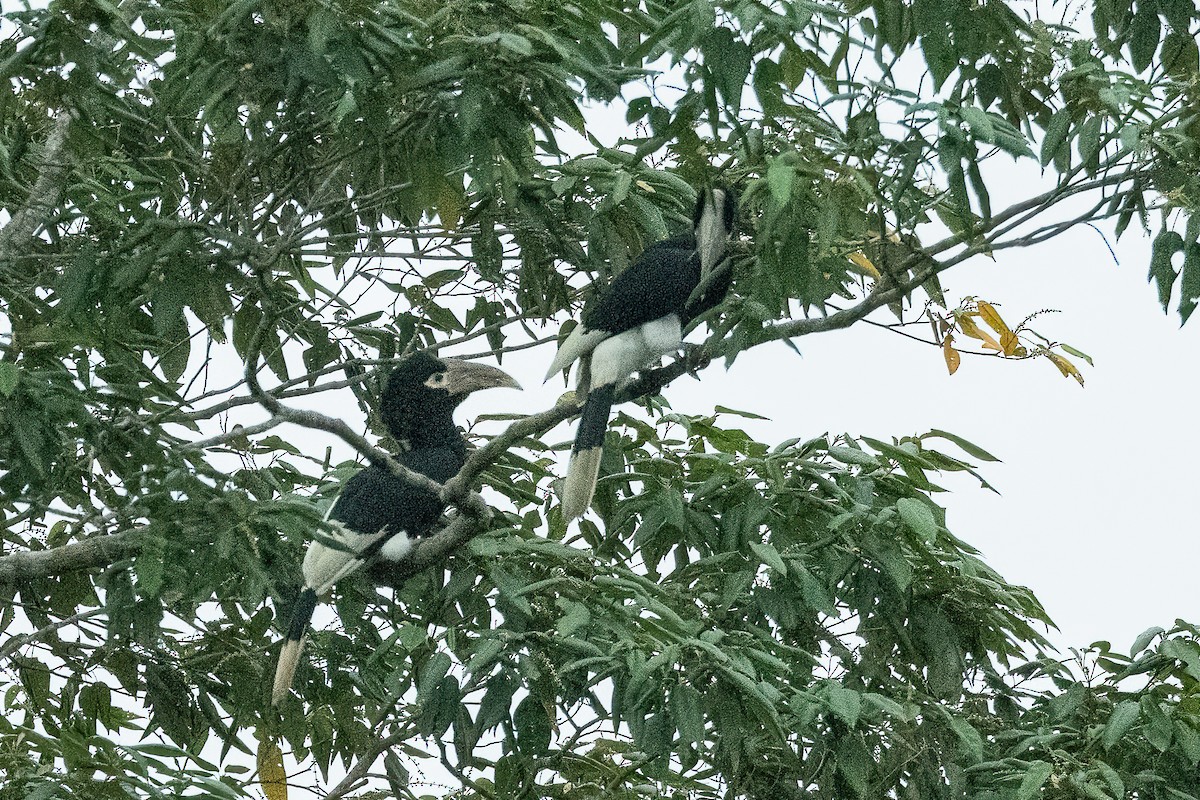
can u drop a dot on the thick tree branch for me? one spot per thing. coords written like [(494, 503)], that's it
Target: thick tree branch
[(463, 528), (15, 236), (358, 773), (99, 551)]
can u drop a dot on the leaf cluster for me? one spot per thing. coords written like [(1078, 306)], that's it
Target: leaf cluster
[(194, 190)]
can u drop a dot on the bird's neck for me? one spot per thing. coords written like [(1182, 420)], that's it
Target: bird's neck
[(439, 431)]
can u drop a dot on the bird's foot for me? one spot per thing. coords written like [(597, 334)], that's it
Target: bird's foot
[(695, 358)]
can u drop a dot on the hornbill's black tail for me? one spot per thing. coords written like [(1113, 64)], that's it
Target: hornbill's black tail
[(289, 655), (584, 468)]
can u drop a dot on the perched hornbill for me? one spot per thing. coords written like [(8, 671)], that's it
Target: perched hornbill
[(378, 515), (638, 319)]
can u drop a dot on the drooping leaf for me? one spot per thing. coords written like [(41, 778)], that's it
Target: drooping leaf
[(1123, 716), (952, 357), (918, 518), (271, 775)]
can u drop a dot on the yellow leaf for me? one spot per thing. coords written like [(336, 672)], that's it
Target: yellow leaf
[(645, 187), (952, 356), (989, 315), (1009, 343), (1067, 369), (271, 776), (864, 265), (969, 328), (450, 206)]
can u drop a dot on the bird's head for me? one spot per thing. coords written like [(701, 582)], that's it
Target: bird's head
[(712, 221), (424, 388)]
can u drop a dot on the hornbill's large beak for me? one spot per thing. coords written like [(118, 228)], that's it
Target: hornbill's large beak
[(712, 228), (464, 377)]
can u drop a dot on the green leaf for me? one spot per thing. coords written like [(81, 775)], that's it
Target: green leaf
[(1144, 33), (1056, 135), (747, 414), (968, 447), (1088, 140), (533, 726), (1189, 282), (434, 670), (970, 742), (397, 774), (1112, 778), (1077, 353), (685, 709), (989, 84), (768, 555), (1188, 740), (484, 653), (980, 123), (939, 53), (780, 177), (440, 278), (728, 59), (576, 618), (918, 518), (514, 42), (852, 455), (1166, 245), (1119, 723), (1035, 775), (493, 709), (887, 705), (845, 703), (1180, 54), (10, 373), (1143, 640), (1158, 729)]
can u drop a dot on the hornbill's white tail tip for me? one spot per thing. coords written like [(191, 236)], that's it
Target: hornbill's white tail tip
[(285, 670), (580, 483), (293, 642)]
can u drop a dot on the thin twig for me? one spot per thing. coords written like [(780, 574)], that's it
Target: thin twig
[(17, 642)]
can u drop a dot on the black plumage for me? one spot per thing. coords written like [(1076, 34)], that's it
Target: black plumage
[(638, 319), (378, 515)]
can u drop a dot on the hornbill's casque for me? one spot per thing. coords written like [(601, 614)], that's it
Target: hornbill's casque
[(378, 515), (636, 321)]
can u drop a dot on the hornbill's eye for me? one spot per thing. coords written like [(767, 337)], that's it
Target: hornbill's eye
[(436, 379)]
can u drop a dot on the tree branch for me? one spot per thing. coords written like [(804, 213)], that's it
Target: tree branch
[(358, 773), (17, 642), (15, 236), (99, 551)]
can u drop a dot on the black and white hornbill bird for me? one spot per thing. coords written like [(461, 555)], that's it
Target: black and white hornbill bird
[(378, 515), (638, 319)]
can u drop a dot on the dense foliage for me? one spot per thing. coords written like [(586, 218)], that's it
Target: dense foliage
[(194, 189)]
